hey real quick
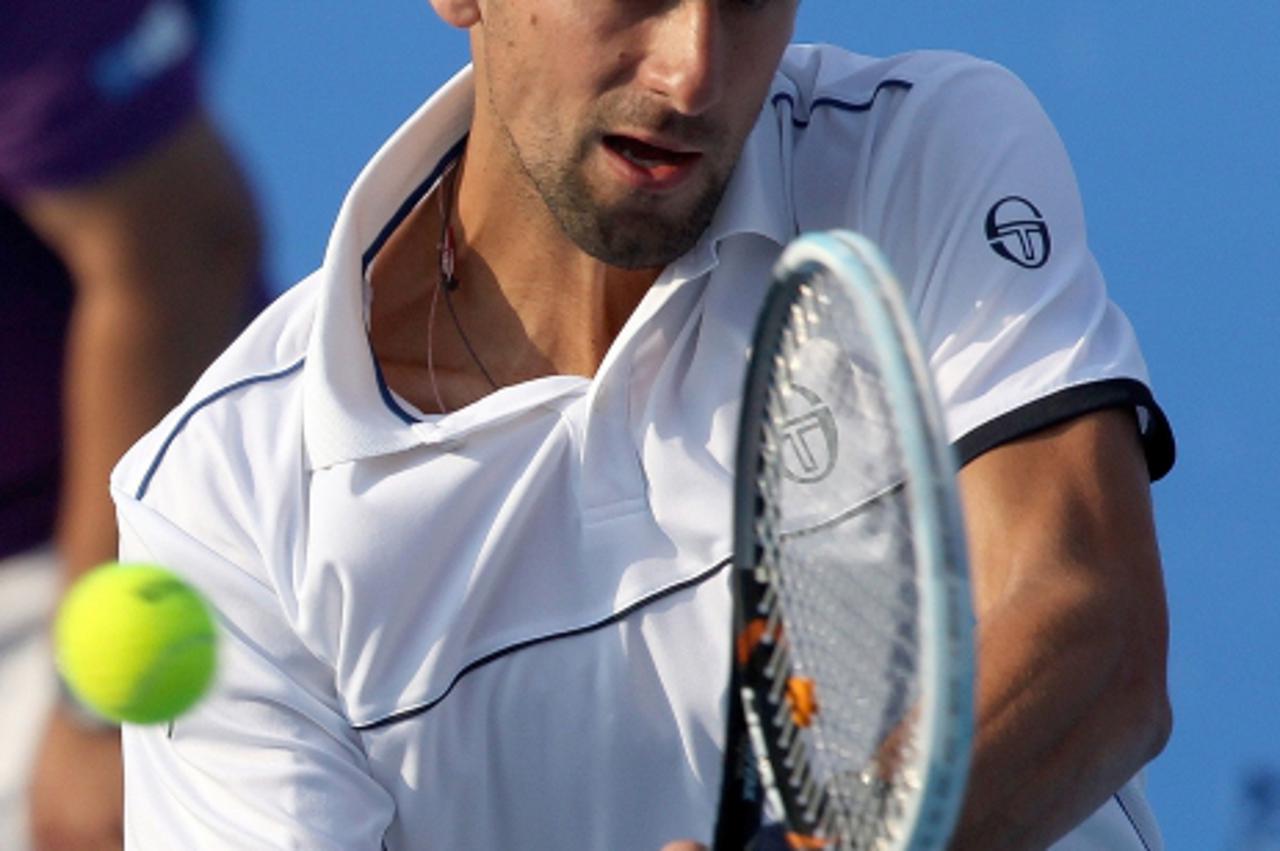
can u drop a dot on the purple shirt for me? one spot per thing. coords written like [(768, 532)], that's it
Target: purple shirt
[(84, 87)]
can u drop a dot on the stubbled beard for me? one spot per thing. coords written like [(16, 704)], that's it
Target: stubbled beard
[(631, 238)]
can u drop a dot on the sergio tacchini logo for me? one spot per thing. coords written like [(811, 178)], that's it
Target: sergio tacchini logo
[(809, 438), (1018, 233)]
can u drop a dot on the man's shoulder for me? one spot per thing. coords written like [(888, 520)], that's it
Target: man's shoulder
[(849, 84), (813, 68), (863, 128), (245, 405), (276, 339)]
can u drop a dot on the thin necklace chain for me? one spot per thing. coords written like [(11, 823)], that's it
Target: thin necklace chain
[(448, 282)]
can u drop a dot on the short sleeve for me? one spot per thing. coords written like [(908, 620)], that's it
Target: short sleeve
[(963, 181), (86, 87), (267, 759)]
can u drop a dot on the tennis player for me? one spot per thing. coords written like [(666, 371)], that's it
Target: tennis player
[(462, 497), (128, 243)]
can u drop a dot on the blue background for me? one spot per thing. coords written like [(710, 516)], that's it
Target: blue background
[(1171, 114)]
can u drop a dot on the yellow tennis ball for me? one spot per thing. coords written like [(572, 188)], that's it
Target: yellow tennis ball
[(135, 643)]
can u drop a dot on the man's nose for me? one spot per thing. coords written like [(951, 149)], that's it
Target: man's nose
[(685, 62)]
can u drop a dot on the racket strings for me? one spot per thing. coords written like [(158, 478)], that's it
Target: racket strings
[(850, 764)]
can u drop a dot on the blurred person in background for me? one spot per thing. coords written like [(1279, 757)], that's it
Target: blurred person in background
[(129, 253)]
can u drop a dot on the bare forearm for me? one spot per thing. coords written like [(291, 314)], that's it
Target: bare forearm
[(1072, 629), (1062, 723)]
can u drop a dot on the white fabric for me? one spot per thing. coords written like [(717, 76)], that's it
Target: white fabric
[(927, 166), (28, 592), (507, 627)]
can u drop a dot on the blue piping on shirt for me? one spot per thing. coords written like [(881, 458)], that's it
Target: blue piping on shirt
[(203, 403), (410, 202), (836, 103), (414, 711), (1132, 822)]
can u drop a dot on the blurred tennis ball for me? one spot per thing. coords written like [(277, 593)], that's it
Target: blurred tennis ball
[(135, 643)]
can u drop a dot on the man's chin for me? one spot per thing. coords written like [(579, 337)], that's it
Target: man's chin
[(640, 242), (647, 235), (630, 229)]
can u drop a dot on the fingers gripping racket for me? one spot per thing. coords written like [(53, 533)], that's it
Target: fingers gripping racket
[(851, 694)]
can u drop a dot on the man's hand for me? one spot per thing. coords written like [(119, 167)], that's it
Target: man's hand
[(77, 790)]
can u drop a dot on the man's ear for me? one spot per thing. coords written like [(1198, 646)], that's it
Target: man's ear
[(462, 14)]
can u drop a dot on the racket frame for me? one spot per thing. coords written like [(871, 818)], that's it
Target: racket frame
[(947, 669)]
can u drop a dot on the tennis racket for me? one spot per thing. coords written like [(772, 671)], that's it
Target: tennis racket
[(851, 706)]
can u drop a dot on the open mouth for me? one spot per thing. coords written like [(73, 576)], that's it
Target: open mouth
[(652, 161)]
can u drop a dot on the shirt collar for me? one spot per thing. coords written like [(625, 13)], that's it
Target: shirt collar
[(347, 410), (349, 413)]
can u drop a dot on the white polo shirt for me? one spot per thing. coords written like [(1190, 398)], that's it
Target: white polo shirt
[(507, 627)]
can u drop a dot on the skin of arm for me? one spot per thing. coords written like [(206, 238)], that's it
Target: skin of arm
[(1072, 629), (162, 252)]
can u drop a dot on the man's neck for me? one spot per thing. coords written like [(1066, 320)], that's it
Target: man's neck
[(508, 236), (529, 302)]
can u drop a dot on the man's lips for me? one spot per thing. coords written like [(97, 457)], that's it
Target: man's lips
[(651, 163), (647, 152)]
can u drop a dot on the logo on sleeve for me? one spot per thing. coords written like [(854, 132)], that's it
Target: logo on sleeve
[(1017, 232)]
